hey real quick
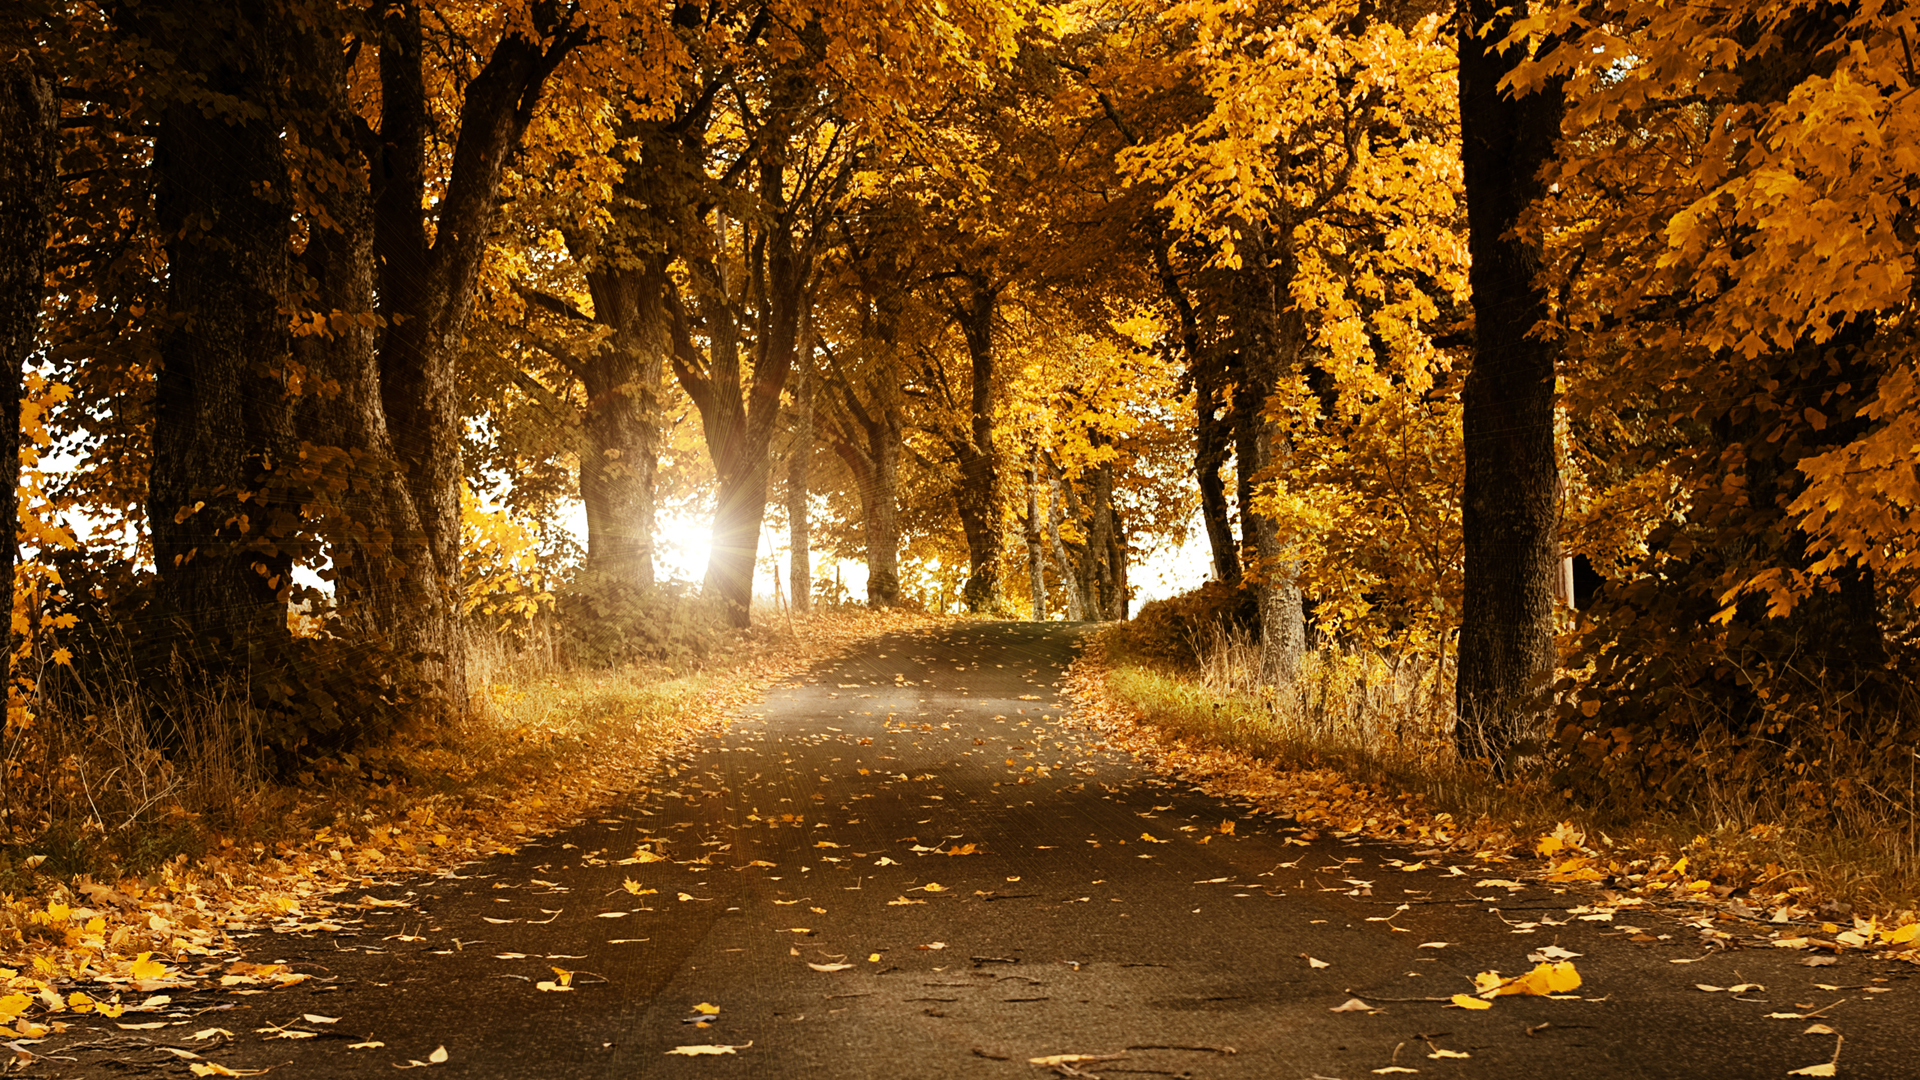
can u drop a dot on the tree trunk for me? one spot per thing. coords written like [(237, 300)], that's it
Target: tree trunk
[(426, 288), (799, 475), (1212, 431), (382, 573), (1036, 554), (29, 189), (222, 414), (978, 496), (1272, 334), (1069, 580), (1508, 517), (870, 443), (622, 383)]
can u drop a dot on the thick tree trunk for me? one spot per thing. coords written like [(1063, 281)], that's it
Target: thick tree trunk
[(870, 442), (29, 188), (426, 288), (622, 383), (978, 496), (383, 574), (222, 415), (739, 415), (1508, 516)]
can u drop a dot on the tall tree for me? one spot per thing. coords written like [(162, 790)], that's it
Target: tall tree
[(29, 188), (1509, 516)]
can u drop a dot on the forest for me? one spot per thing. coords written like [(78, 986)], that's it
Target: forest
[(322, 319)]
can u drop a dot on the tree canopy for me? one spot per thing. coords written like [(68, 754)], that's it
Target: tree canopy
[(336, 313)]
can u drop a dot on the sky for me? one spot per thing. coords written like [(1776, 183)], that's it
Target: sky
[(683, 543)]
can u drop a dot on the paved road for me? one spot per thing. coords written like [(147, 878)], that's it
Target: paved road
[(905, 865)]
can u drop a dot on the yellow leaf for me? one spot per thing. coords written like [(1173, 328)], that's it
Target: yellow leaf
[(1547, 845), (706, 1051), (1825, 1068), (1901, 935), (1152, 839), (933, 886), (144, 967), (13, 1005), (829, 967), (1466, 1001), (707, 1009)]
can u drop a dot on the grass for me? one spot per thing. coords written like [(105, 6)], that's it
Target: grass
[(1363, 735)]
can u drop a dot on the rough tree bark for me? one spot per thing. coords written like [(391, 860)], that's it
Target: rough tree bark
[(869, 438), (222, 413), (622, 383), (977, 497), (1508, 516), (800, 475), (29, 188), (738, 414), (1036, 552), (426, 286), (1271, 334)]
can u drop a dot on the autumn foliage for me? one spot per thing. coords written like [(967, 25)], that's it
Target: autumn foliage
[(360, 343)]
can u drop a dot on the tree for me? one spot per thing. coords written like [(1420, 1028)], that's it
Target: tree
[(29, 189), (1508, 511)]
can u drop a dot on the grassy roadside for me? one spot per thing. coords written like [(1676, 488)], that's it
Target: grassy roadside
[(1362, 747), (543, 748)]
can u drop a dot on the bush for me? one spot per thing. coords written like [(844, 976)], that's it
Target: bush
[(1180, 629), (603, 621)]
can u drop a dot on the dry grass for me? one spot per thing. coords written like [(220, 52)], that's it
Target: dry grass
[(1386, 722)]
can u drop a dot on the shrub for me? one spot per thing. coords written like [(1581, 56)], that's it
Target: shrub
[(605, 621), (1181, 628)]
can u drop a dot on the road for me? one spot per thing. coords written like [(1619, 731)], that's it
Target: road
[(909, 863)]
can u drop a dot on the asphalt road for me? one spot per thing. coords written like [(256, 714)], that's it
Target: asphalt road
[(907, 865)]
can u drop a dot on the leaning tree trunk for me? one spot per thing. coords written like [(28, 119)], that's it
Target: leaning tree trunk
[(1508, 517), (29, 188), (222, 413)]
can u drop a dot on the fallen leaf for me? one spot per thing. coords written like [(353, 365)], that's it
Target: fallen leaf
[(375, 1045), (1825, 1068), (144, 967), (1353, 1004), (1394, 1069), (707, 1009), (1467, 1001), (1449, 1054), (829, 967), (706, 1051), (316, 1018), (1312, 963), (1819, 1029)]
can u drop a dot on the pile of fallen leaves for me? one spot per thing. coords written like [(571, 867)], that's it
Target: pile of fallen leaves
[(1722, 883), (118, 948)]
